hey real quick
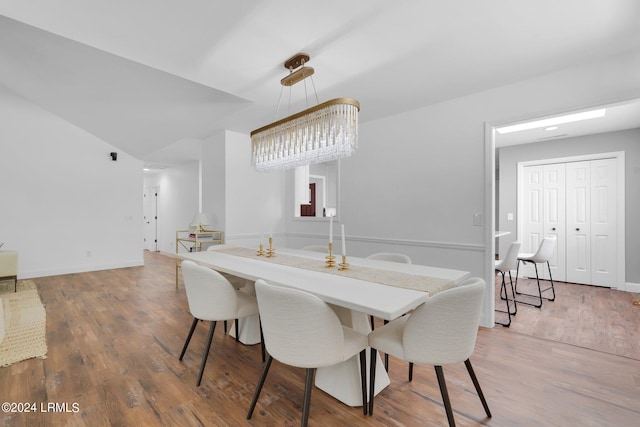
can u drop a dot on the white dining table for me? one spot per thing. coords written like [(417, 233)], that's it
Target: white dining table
[(353, 300)]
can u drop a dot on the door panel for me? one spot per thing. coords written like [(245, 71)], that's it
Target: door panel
[(554, 217), (578, 222), (150, 218), (603, 222), (577, 203), (532, 224)]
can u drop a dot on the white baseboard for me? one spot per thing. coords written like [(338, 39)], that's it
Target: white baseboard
[(632, 287), (32, 274)]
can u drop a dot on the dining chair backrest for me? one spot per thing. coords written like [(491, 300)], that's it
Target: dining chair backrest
[(443, 330), (209, 294), (510, 260), (299, 328), (391, 256), (545, 250), (316, 248)]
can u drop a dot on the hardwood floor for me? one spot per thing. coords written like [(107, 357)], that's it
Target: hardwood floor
[(114, 338), (586, 316)]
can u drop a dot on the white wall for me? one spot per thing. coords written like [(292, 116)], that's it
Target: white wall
[(254, 200), (238, 200), (213, 180), (418, 178), (626, 140), (66, 206), (177, 201)]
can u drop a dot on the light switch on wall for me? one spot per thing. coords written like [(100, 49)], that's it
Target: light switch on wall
[(478, 219), (509, 216)]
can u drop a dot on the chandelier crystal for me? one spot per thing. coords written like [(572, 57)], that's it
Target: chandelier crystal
[(326, 132), (322, 133)]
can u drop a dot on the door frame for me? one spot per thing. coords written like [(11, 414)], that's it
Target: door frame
[(155, 190), (620, 199)]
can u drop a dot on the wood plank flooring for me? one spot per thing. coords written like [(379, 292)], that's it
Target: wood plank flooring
[(586, 316), (114, 338)]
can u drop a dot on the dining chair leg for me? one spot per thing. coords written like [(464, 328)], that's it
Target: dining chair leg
[(225, 327), (372, 379), (550, 287), (445, 395), (308, 386), (363, 379), (261, 339), (206, 351), (186, 343), (539, 296), (256, 394), (504, 295), (513, 293), (472, 374), (386, 356), (410, 371), (503, 288), (237, 331)]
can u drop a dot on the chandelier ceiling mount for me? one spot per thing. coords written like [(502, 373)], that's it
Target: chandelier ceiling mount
[(321, 133)]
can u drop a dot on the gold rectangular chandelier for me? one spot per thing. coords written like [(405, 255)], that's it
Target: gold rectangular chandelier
[(321, 133)]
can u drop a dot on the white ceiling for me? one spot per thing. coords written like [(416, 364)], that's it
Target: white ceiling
[(153, 77), (617, 117)]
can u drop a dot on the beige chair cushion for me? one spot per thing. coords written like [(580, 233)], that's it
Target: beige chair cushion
[(8, 263)]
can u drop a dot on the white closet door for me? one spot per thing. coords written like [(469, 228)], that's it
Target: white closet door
[(150, 215), (554, 218), (533, 221), (603, 222), (533, 213), (578, 222), (577, 202)]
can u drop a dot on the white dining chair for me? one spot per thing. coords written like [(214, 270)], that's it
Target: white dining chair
[(392, 257), (211, 297), (542, 255), (439, 332), (316, 248), (301, 330), (503, 266), (236, 282)]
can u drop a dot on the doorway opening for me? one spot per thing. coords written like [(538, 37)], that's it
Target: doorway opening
[(150, 218)]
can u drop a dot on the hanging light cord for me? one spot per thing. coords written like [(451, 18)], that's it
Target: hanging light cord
[(306, 96)]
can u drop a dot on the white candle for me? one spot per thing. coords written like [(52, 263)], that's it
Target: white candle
[(331, 229), (344, 247)]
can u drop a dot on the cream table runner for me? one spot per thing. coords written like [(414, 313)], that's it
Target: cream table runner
[(431, 285)]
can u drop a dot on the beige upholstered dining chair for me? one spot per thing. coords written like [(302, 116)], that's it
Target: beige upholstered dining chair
[(301, 330), (211, 297), (316, 248), (439, 332), (542, 255), (503, 266), (392, 257), (9, 267)]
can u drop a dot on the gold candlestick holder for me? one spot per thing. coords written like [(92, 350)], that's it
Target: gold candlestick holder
[(271, 253), (343, 265), (331, 259), (261, 250)]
